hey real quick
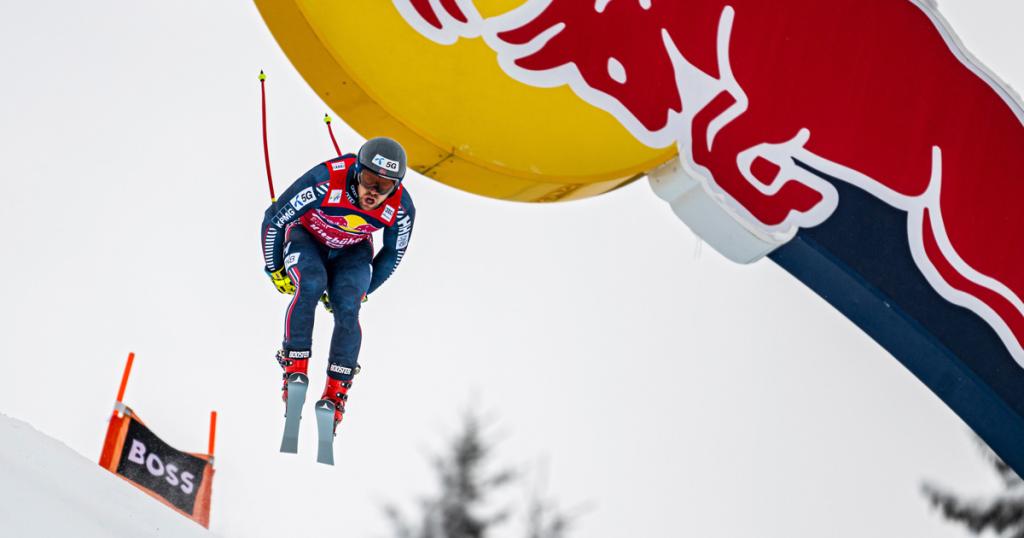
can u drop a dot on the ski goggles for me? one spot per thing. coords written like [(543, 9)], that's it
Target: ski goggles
[(380, 185)]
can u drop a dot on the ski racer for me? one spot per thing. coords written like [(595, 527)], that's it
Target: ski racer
[(317, 245)]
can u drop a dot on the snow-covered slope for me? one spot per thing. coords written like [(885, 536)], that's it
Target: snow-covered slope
[(47, 489)]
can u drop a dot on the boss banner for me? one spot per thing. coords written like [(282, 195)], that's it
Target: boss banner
[(181, 480)]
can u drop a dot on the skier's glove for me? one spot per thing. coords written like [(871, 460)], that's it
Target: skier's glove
[(282, 281)]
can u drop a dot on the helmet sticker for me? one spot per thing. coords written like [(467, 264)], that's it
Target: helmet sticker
[(385, 163)]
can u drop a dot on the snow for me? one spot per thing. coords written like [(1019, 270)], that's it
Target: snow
[(50, 490)]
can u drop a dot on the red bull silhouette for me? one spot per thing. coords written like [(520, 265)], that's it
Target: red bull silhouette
[(766, 100)]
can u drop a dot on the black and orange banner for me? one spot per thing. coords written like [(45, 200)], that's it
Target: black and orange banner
[(181, 480)]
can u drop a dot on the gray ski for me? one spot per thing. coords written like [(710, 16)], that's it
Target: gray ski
[(325, 431), (297, 385)]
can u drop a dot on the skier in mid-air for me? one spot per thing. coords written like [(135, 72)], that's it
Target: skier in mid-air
[(317, 245)]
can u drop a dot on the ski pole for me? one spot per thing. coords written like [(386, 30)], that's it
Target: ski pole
[(266, 150), (327, 120)]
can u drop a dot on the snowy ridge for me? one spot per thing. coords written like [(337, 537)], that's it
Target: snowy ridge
[(50, 490)]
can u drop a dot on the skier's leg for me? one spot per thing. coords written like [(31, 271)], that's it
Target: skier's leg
[(349, 280), (305, 266)]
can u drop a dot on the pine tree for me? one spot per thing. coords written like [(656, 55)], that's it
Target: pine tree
[(545, 520), (465, 491), (1002, 512)]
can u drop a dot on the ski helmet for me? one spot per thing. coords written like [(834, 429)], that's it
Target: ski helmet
[(384, 157)]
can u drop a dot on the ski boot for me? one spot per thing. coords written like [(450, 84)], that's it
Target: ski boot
[(293, 391), (292, 362), (336, 392)]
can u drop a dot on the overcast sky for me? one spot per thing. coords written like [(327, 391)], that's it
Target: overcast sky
[(673, 392)]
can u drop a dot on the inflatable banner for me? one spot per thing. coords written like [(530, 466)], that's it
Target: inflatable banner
[(857, 144)]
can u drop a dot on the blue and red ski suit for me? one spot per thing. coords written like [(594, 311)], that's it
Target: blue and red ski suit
[(319, 234)]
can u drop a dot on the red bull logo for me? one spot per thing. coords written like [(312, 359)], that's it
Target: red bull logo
[(338, 231), (767, 102), (353, 224)]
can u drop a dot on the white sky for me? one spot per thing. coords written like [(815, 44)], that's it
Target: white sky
[(676, 393)]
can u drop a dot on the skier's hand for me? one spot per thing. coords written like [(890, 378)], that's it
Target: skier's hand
[(282, 281)]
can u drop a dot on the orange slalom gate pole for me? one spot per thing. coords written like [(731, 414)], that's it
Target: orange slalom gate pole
[(213, 431), (124, 377), (115, 422)]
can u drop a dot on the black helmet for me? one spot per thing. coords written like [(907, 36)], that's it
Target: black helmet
[(384, 157)]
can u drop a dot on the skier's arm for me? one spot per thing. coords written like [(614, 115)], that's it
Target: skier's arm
[(396, 240), (305, 194)]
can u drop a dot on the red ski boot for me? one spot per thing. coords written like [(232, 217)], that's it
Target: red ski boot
[(337, 392), (291, 362), (294, 364), (329, 411)]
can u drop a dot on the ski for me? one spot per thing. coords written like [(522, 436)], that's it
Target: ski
[(297, 385), (325, 431)]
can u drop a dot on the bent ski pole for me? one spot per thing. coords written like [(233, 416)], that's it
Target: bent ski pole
[(327, 120), (266, 150)]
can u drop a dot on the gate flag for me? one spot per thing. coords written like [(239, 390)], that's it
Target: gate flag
[(179, 479)]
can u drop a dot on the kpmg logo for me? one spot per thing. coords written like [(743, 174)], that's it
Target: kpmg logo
[(284, 216)]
